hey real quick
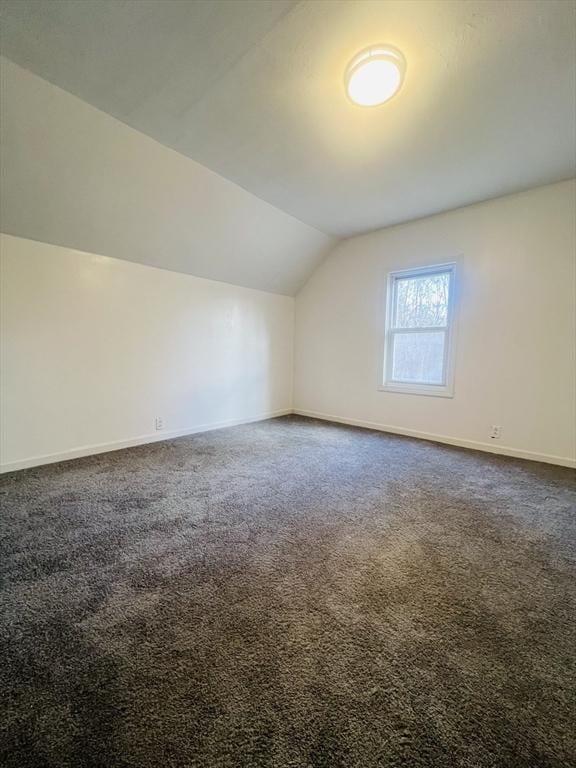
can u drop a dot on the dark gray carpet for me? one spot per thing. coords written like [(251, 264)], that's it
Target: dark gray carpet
[(288, 593)]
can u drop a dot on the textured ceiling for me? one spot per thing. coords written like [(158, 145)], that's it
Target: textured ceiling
[(253, 90)]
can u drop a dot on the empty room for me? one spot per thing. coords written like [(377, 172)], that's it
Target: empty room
[(288, 384)]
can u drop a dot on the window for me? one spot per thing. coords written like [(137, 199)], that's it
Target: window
[(419, 339)]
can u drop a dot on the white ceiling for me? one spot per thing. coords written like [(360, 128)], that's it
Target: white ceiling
[(253, 89), (74, 176)]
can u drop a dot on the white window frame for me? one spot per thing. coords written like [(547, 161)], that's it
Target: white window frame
[(387, 384)]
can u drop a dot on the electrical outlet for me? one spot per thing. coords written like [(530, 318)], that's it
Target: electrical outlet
[(159, 423), (496, 432)]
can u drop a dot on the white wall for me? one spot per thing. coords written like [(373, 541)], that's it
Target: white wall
[(94, 348), (74, 176), (515, 335)]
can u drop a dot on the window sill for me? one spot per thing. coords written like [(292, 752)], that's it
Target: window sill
[(418, 389)]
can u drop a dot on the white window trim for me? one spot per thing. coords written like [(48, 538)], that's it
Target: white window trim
[(385, 383)]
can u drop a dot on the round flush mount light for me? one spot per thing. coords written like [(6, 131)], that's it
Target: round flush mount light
[(375, 75)]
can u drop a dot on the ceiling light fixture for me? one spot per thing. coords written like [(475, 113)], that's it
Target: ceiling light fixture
[(375, 75)]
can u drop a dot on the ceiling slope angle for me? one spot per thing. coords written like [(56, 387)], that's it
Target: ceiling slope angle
[(79, 178), (255, 90)]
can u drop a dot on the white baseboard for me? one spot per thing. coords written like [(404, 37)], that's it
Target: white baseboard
[(154, 437), (461, 443)]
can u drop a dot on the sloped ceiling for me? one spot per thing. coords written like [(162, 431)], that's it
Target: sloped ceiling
[(253, 89), (72, 175)]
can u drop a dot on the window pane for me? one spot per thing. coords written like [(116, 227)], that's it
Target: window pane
[(418, 357), (422, 301)]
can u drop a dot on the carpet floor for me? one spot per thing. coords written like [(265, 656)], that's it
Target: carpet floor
[(284, 594)]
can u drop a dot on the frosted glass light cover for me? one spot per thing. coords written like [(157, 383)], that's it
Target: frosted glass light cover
[(375, 75)]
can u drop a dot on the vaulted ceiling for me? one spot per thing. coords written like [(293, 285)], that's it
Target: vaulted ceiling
[(253, 89)]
